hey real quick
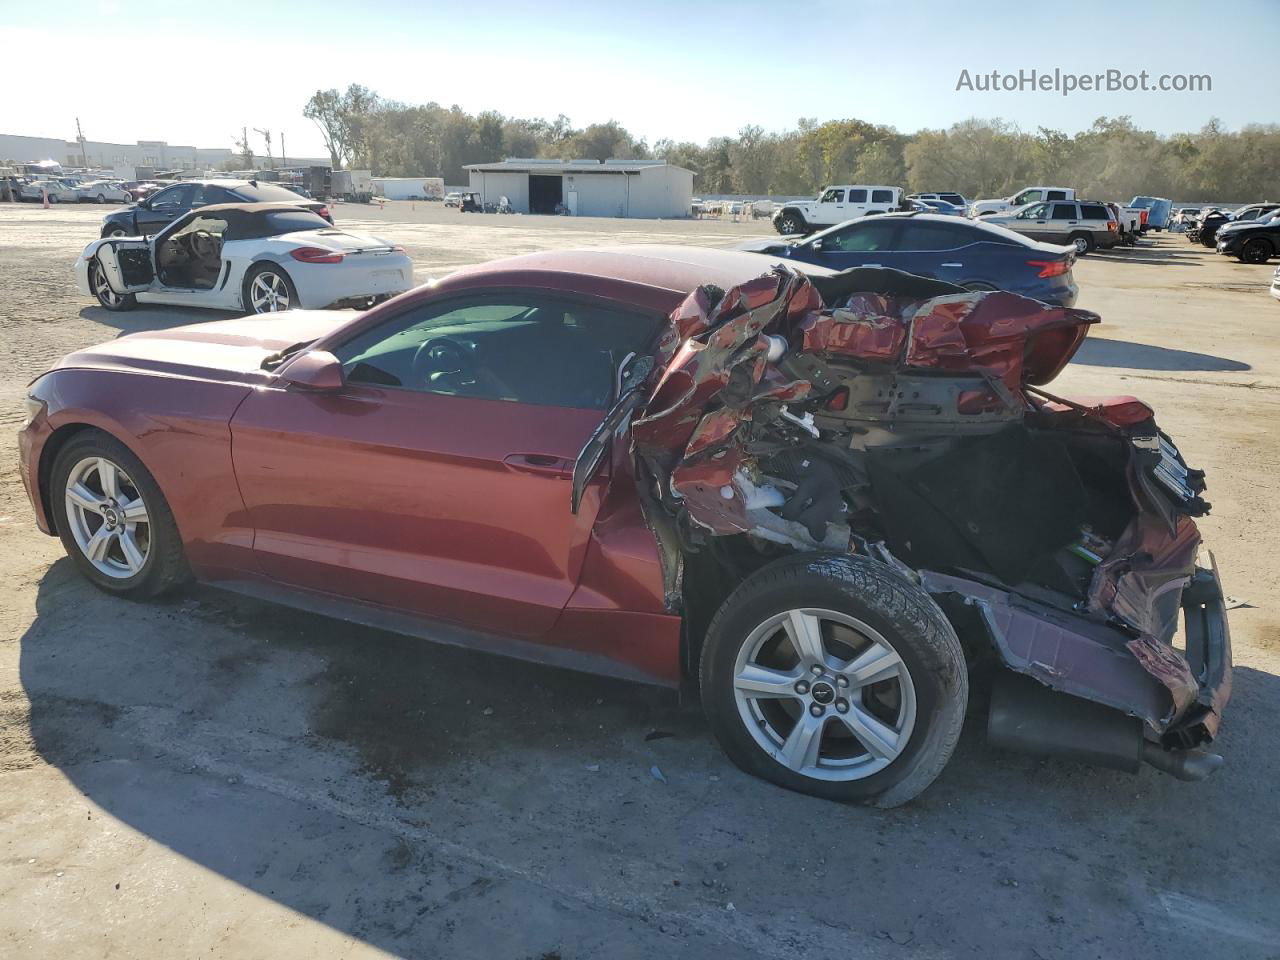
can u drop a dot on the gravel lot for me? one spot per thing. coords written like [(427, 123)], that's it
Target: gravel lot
[(213, 776)]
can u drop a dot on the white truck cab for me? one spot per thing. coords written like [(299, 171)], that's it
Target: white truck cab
[(981, 208), (834, 205)]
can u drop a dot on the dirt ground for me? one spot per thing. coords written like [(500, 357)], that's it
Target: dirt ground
[(217, 777)]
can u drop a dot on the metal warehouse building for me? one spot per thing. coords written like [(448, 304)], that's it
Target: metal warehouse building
[(588, 188)]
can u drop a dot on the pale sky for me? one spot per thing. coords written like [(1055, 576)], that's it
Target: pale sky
[(689, 70)]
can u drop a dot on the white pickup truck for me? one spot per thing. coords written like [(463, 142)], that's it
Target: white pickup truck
[(835, 205), (981, 208)]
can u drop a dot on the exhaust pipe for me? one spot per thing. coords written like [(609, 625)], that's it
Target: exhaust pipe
[(1028, 717), (1190, 765)]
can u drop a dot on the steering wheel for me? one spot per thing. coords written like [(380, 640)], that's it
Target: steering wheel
[(444, 357)]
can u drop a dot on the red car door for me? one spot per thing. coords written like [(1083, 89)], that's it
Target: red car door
[(437, 480)]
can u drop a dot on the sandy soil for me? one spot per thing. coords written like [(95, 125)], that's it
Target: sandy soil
[(213, 776)]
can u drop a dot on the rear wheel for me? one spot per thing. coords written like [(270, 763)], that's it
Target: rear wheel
[(102, 198), (1256, 250), (99, 287), (837, 677), (268, 289), (1083, 243), (114, 522)]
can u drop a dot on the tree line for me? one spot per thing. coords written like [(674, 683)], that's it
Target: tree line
[(1113, 159)]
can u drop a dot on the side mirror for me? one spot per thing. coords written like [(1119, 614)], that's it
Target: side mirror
[(317, 370)]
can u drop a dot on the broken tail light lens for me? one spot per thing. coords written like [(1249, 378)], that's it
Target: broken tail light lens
[(315, 255), (1050, 268)]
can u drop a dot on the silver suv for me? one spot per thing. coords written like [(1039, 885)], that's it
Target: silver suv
[(1085, 224)]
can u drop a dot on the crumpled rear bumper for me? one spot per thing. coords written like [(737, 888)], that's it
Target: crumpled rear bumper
[(1179, 696)]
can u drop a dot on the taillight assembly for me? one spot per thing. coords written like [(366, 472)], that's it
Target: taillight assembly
[(1111, 225), (1050, 268), (315, 255)]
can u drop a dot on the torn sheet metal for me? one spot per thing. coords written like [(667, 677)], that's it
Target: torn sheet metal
[(730, 437)]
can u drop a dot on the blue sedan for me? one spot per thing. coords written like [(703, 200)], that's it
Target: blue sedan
[(975, 255)]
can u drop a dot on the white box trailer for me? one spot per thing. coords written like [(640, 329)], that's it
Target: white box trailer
[(409, 188), (353, 186)]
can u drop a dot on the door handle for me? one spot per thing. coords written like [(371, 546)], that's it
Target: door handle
[(542, 464), (951, 264), (873, 264)]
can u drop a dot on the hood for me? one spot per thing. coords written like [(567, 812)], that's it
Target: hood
[(224, 351)]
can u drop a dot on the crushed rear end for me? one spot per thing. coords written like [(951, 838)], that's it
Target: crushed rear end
[(877, 413)]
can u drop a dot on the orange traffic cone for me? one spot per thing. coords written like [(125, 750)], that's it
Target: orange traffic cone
[(44, 195)]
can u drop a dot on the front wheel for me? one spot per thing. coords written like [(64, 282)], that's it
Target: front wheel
[(1256, 251), (790, 223), (113, 520), (99, 287), (835, 676), (268, 289)]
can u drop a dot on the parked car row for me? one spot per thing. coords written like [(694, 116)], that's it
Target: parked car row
[(67, 190), (1250, 233)]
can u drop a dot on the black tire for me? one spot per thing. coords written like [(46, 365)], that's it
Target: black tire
[(114, 230), (789, 224), (1257, 250), (104, 294), (903, 614), (102, 198), (262, 270), (165, 566), (1081, 237)]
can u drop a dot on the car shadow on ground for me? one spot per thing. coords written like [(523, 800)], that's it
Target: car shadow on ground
[(408, 794), (1100, 352), (146, 318)]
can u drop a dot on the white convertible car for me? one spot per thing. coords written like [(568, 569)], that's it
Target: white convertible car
[(255, 257)]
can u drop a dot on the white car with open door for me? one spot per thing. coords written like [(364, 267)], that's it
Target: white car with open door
[(255, 257)]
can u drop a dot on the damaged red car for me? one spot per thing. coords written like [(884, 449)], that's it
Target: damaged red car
[(825, 501)]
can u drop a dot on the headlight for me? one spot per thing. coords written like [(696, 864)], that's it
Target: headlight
[(33, 407)]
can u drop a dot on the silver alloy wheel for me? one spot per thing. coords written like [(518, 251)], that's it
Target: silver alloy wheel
[(108, 517), (824, 694), (269, 293), (98, 275), (1081, 245), (117, 232)]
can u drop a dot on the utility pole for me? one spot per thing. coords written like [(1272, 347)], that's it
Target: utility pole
[(266, 135), (84, 160), (284, 159)]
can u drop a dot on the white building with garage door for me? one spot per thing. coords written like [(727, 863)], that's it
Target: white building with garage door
[(587, 188)]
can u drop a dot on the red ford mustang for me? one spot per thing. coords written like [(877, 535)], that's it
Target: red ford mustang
[(823, 501)]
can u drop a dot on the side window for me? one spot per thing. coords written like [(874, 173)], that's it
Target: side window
[(857, 196), (214, 194), (1034, 213), (174, 198), (1056, 195), (521, 348), (882, 196), (1063, 211), (833, 196), (1093, 211), (865, 236), (1027, 196), (922, 235)]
